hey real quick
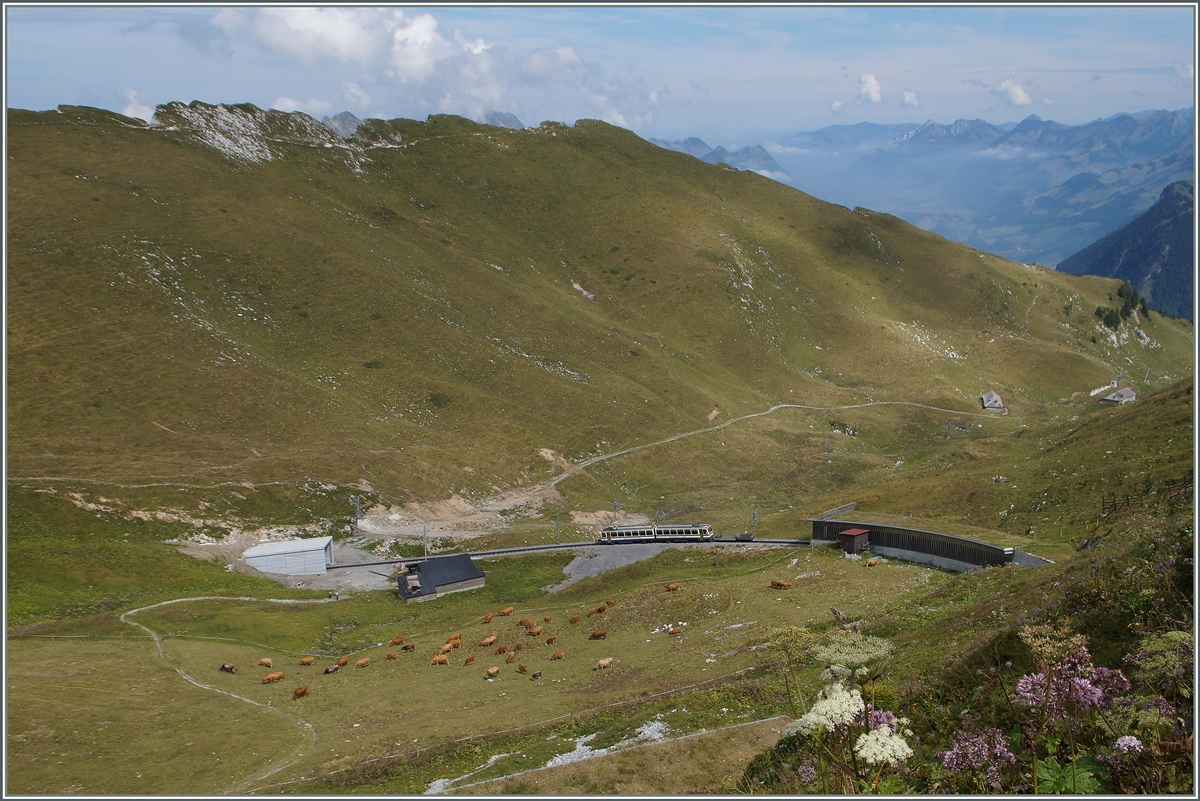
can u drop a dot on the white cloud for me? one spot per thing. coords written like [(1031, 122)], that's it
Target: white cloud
[(1046, 101), (836, 107), (909, 99), (311, 107), (869, 90), (1012, 93), (1185, 71), (355, 95), (134, 107)]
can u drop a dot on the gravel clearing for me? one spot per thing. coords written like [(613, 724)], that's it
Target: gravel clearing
[(593, 561)]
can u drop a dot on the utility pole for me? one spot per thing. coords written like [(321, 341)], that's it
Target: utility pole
[(425, 539), (947, 429), (558, 528), (828, 452), (657, 517), (355, 500), (1146, 380), (753, 520), (616, 506)]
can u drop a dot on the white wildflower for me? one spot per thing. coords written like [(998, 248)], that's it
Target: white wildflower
[(851, 649), (882, 745), (835, 706)]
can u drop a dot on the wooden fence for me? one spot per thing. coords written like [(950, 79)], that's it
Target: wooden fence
[(1168, 492)]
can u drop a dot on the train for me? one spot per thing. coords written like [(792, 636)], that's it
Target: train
[(685, 532)]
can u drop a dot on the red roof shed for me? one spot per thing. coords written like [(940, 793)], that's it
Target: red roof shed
[(854, 540)]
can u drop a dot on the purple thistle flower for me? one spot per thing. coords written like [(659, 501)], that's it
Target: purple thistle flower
[(971, 753), (807, 771), (882, 717)]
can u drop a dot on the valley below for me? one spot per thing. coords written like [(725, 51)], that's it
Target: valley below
[(228, 327)]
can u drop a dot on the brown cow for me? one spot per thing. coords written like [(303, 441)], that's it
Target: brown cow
[(364, 662), (575, 618), (536, 676), (345, 660), (332, 669), (518, 646), (503, 649), (492, 673), (487, 642), (408, 646), (521, 669), (265, 662), (445, 649), (397, 641), (306, 661), (556, 655), (455, 636), (228, 668), (487, 618), (470, 659), (604, 663), (598, 635), (675, 630), (512, 655), (599, 610), (673, 586), (546, 619), (536, 631), (455, 643), (780, 585), (524, 622), (273, 677), (506, 611), (440, 659), (551, 640), (610, 603), (299, 692), (393, 655)]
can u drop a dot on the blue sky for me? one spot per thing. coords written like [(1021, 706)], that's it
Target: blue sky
[(731, 75)]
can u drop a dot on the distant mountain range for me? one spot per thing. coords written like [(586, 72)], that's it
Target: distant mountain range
[(754, 158), (1033, 191), (1155, 253)]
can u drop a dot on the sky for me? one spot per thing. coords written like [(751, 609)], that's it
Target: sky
[(732, 75)]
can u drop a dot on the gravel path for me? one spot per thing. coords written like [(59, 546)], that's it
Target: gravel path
[(594, 561)]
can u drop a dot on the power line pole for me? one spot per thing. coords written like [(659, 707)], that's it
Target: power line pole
[(355, 501), (425, 539), (558, 528), (616, 506), (753, 520), (828, 452)]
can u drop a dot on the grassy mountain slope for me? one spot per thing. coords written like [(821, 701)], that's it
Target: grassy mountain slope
[(235, 295)]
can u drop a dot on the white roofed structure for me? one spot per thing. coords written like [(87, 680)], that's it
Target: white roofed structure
[(1120, 397), (991, 400), (293, 557)]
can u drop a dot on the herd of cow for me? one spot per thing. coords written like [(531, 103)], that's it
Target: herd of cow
[(533, 628)]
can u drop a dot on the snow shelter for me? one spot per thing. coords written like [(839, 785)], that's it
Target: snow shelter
[(991, 400), (439, 576), (855, 540), (1120, 397), (299, 557)]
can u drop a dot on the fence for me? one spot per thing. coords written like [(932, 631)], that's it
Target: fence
[(1168, 492)]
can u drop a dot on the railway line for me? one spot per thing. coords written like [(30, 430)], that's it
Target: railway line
[(568, 546)]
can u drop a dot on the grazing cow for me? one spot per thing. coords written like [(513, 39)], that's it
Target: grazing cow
[(393, 655), (536, 676), (306, 661), (455, 636), (397, 641), (345, 660), (675, 630), (536, 631), (492, 673), (299, 692), (673, 586), (521, 669), (503, 649), (551, 640), (488, 641), (556, 656), (265, 662), (604, 663), (487, 618), (273, 677), (470, 659), (455, 643), (440, 659), (599, 635), (408, 646), (332, 669), (874, 560), (610, 603), (506, 611), (780, 585), (546, 619), (524, 622), (599, 610), (518, 646), (228, 668), (364, 662), (574, 618), (445, 649), (512, 655)]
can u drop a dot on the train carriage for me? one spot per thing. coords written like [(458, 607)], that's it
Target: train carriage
[(686, 532)]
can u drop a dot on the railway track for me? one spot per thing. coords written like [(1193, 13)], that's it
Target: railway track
[(563, 546)]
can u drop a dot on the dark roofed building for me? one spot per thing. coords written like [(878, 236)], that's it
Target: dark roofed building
[(436, 577), (855, 540)]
